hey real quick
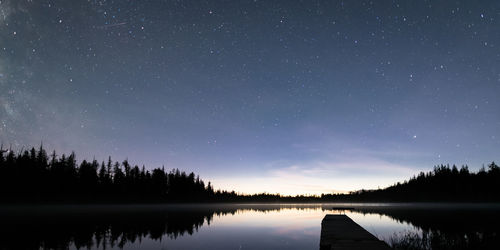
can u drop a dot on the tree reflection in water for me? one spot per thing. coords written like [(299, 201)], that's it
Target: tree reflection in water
[(59, 227), (445, 227), (86, 227)]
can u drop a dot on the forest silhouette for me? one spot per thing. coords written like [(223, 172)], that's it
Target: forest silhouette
[(33, 176), (443, 184)]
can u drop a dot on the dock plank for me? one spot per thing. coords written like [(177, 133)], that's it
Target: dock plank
[(339, 232)]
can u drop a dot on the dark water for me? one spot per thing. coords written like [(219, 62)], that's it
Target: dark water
[(259, 226)]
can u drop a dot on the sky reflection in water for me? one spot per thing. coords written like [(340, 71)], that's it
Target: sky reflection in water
[(237, 226), (288, 228)]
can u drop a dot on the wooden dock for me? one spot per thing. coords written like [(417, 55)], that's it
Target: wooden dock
[(339, 232)]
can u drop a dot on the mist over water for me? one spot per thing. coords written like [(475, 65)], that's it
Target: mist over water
[(243, 226)]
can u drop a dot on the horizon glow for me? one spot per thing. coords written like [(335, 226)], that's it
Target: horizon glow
[(282, 97)]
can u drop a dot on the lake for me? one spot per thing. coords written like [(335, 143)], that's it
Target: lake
[(244, 226)]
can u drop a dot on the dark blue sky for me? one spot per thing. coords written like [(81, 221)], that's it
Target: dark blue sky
[(276, 96)]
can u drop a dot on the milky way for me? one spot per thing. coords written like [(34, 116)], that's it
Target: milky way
[(296, 96)]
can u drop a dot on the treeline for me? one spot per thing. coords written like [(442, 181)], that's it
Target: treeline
[(34, 176), (444, 183)]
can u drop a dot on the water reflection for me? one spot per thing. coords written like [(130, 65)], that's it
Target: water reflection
[(444, 226), (269, 226), (60, 227)]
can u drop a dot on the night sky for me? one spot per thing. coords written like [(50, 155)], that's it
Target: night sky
[(277, 96)]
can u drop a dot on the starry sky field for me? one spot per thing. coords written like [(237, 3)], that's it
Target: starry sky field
[(295, 97)]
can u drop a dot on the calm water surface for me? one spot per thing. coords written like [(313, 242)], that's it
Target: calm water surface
[(257, 226)]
